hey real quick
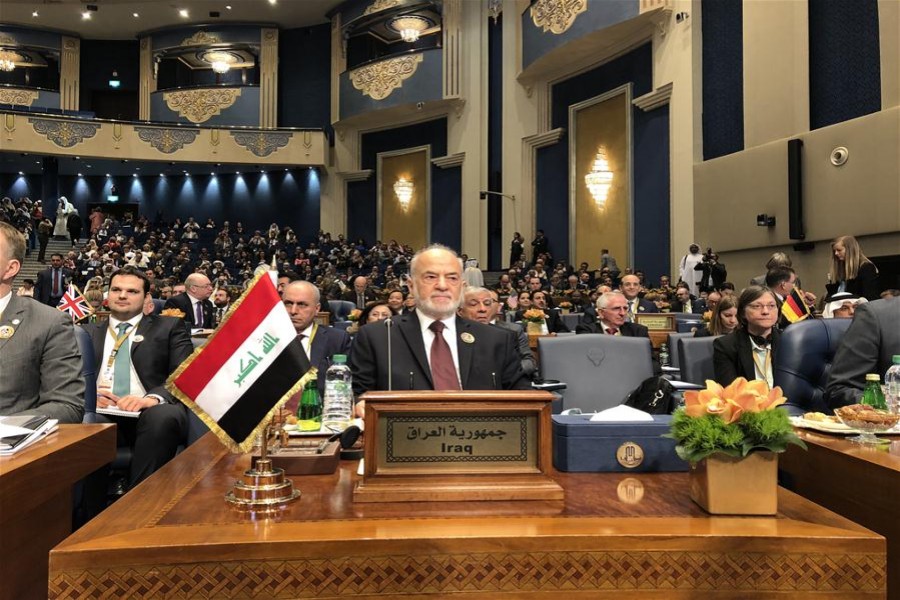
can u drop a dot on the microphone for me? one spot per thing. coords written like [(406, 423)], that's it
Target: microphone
[(412, 380), (389, 323)]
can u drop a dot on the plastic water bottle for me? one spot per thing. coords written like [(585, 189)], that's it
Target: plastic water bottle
[(664, 355), (338, 407), (892, 385)]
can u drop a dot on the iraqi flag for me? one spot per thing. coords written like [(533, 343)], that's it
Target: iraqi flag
[(251, 365), (794, 308)]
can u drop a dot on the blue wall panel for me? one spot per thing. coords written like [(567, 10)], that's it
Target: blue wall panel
[(244, 111), (650, 142), (25, 36), (362, 209), (304, 88), (423, 86), (843, 84), (599, 15), (723, 77), (283, 197), (651, 209), (446, 207)]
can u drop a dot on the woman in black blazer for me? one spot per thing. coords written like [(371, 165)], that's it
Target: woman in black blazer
[(749, 351), (851, 271)]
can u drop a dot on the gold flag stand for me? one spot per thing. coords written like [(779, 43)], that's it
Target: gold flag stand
[(263, 486)]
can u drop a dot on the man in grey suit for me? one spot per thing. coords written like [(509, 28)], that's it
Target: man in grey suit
[(483, 305), (871, 340), (40, 365)]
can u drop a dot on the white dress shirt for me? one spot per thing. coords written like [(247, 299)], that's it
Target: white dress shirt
[(137, 389)]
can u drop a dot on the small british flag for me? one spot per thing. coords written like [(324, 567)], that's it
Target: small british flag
[(74, 303)]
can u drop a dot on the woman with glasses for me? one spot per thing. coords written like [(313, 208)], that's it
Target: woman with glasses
[(749, 351)]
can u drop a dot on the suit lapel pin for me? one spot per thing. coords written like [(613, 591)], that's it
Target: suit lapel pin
[(6, 332), (16, 321), (467, 337), (137, 338)]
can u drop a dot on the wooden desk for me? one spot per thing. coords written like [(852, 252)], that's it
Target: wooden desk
[(36, 501), (175, 532), (861, 483)]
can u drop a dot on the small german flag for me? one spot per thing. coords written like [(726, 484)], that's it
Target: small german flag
[(794, 308)]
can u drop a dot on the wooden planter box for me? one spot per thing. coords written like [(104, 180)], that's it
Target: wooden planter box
[(724, 485)]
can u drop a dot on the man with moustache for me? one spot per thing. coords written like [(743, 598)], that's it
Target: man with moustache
[(221, 304), (433, 348), (483, 305)]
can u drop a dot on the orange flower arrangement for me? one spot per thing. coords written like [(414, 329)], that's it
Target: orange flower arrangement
[(172, 312), (734, 420), (533, 315), (354, 315)]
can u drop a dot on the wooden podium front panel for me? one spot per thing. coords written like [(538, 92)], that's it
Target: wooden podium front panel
[(36, 501), (613, 536)]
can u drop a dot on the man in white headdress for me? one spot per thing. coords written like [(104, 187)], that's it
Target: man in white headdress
[(686, 269), (63, 208)]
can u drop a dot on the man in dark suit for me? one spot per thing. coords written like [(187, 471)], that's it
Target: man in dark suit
[(483, 305), (553, 321), (612, 313), (40, 366), (539, 245), (194, 302), (685, 302), (433, 348), (53, 281), (631, 287), (361, 294), (135, 354), (867, 347), (302, 301)]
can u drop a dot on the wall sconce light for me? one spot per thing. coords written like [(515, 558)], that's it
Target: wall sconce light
[(599, 180), (404, 189)]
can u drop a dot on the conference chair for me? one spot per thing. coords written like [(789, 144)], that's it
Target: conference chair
[(89, 373), (674, 342), (341, 309), (599, 370), (803, 362), (696, 359)]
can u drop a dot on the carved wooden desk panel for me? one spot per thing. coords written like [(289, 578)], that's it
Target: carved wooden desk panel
[(861, 483), (613, 535), (36, 501)]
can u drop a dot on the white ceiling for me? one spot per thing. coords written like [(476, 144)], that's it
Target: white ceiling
[(115, 19)]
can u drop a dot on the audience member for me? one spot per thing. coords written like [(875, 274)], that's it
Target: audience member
[(868, 346), (53, 281), (433, 348), (686, 270), (749, 350), (686, 302), (851, 271), (194, 303), (612, 313), (40, 365), (302, 300), (135, 355), (723, 319)]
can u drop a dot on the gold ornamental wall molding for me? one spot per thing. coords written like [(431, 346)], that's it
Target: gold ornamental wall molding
[(380, 5), (167, 141), (20, 97), (64, 134), (380, 79), (198, 106), (201, 38), (556, 16)]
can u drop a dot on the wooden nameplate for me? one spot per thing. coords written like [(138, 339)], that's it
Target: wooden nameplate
[(457, 446)]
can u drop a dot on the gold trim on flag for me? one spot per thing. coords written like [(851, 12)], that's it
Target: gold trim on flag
[(247, 444)]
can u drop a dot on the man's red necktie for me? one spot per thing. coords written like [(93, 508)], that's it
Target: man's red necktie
[(443, 371)]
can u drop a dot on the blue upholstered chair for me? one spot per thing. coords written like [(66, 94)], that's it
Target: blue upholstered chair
[(696, 359), (674, 345), (599, 370), (89, 372), (341, 309), (803, 362)]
